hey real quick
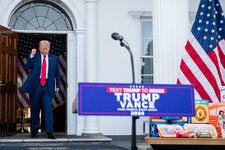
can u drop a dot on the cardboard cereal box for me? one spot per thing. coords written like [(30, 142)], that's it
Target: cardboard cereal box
[(202, 112), (217, 117)]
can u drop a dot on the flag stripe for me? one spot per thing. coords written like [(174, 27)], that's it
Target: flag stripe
[(215, 58), (222, 57), (193, 73), (189, 74), (203, 68)]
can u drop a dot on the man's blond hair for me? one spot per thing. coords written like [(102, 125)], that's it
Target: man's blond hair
[(44, 42)]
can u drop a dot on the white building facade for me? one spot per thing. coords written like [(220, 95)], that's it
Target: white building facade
[(93, 56)]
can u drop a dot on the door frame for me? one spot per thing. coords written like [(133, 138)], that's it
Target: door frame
[(71, 90)]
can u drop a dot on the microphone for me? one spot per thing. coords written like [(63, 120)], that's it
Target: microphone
[(116, 36)]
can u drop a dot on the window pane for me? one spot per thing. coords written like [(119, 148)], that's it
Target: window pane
[(41, 11), (147, 79), (147, 48), (40, 16), (147, 66), (146, 32)]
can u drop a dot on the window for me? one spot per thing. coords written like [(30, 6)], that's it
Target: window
[(147, 75), (40, 16)]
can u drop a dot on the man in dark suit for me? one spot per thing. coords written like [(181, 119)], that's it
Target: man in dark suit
[(41, 85)]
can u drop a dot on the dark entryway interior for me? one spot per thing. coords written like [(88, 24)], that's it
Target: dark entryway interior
[(27, 41)]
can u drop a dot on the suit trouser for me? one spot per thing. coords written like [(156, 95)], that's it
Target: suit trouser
[(40, 97)]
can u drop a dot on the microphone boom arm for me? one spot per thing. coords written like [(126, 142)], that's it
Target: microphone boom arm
[(124, 43)]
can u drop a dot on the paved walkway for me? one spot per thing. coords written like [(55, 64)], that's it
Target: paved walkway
[(70, 142)]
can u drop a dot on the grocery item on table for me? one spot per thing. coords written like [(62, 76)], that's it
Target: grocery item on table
[(202, 129), (185, 134), (168, 130)]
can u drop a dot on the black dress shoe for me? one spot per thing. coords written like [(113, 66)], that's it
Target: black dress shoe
[(51, 135), (33, 134)]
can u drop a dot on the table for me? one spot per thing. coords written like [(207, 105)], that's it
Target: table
[(158, 143)]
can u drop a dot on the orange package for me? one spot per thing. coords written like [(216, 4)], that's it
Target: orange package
[(217, 117)]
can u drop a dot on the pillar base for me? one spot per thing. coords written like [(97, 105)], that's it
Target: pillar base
[(92, 134)]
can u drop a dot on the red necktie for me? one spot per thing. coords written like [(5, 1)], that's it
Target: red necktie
[(43, 72)]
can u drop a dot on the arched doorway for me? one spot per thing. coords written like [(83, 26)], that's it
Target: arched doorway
[(34, 21)]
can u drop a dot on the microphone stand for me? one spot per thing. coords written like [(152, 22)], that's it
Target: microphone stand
[(134, 118)]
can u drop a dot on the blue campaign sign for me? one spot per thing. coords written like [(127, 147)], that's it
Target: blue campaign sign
[(136, 99)]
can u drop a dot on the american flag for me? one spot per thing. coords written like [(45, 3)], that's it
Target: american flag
[(203, 62), (25, 43)]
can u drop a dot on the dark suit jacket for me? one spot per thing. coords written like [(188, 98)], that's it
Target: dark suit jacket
[(33, 79)]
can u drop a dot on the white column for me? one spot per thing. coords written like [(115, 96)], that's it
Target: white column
[(170, 32), (91, 123), (71, 74)]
